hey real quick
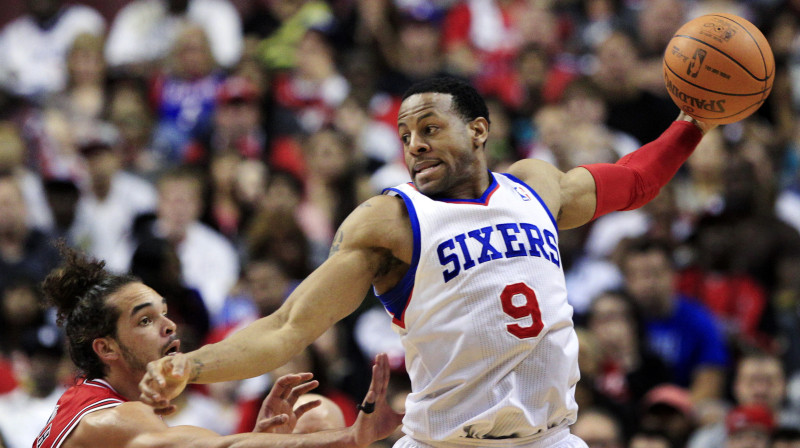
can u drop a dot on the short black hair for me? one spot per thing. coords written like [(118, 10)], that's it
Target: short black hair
[(467, 102), (646, 244)]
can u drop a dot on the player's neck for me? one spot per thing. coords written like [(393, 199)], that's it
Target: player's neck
[(124, 383), (474, 189)]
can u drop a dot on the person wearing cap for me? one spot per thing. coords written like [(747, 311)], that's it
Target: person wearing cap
[(236, 123), (669, 408), (749, 426)]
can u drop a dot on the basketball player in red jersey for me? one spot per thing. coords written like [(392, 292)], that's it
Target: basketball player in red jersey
[(115, 325)]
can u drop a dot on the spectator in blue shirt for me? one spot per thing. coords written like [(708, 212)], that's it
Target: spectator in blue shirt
[(677, 328)]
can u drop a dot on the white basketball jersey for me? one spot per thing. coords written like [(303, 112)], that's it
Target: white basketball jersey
[(484, 319)]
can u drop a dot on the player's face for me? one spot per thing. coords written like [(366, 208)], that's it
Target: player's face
[(144, 333), (439, 147)]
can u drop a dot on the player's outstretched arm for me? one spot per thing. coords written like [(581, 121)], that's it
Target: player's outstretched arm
[(589, 191), (135, 425), (376, 421), (362, 245)]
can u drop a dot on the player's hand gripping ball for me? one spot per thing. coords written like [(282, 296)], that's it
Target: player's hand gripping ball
[(719, 68)]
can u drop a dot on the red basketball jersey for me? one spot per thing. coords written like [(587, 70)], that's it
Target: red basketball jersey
[(85, 397)]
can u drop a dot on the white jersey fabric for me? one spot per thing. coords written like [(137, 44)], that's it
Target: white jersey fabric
[(484, 320)]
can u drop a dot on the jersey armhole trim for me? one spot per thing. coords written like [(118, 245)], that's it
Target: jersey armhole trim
[(396, 299)]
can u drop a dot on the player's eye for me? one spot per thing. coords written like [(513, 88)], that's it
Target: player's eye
[(431, 129), (145, 321), (405, 138)]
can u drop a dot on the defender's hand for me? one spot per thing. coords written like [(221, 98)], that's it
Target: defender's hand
[(377, 420), (277, 414)]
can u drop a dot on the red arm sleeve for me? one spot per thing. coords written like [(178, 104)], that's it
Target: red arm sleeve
[(638, 177)]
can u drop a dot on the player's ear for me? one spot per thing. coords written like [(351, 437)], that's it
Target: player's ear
[(479, 130), (106, 348)]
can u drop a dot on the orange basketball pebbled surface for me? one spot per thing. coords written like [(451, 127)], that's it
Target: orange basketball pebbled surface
[(719, 68)]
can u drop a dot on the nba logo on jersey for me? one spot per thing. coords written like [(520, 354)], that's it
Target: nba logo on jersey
[(523, 193)]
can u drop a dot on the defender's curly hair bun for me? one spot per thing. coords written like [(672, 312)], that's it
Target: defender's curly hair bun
[(79, 290), (65, 286)]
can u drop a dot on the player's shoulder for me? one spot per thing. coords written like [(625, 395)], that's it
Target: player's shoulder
[(542, 176), (381, 207), (532, 170), (128, 411), (116, 425), (380, 221)]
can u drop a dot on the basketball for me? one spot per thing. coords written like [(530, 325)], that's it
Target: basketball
[(718, 68)]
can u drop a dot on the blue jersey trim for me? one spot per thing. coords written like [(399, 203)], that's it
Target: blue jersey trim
[(483, 200), (396, 299), (536, 195)]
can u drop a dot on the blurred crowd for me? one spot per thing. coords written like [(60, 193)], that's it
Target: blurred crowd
[(212, 149)]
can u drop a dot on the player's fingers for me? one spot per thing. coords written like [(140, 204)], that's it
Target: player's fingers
[(380, 374), (293, 382), (305, 376), (264, 424), (264, 406), (305, 407), (154, 373), (178, 363), (283, 387), (368, 405), (301, 389), (148, 394)]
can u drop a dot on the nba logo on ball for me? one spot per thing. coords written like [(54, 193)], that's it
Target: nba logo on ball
[(718, 68)]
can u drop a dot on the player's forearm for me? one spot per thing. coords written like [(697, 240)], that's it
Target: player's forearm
[(261, 347), (337, 438), (329, 294), (638, 177), (183, 436)]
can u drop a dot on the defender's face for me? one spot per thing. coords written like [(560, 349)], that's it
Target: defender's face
[(437, 144), (144, 333)]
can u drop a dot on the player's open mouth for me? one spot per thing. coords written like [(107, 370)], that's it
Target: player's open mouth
[(173, 347)]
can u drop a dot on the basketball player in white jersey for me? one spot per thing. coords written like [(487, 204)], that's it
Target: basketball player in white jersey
[(467, 263)]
